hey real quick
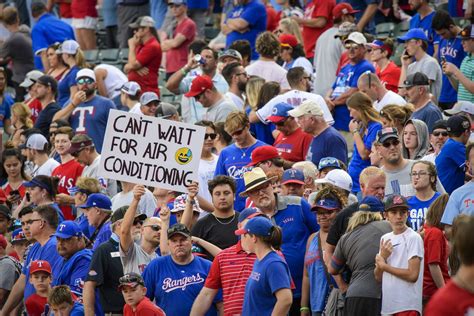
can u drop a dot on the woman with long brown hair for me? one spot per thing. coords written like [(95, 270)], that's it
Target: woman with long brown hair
[(364, 126), (55, 66)]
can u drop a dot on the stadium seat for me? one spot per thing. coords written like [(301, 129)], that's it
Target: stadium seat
[(384, 30), (462, 22), (92, 56), (397, 54), (210, 32), (110, 56), (401, 28)]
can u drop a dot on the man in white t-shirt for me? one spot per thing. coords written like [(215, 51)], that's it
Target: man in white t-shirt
[(300, 83), (370, 84), (147, 204), (236, 76), (109, 80), (129, 96), (399, 264), (37, 152)]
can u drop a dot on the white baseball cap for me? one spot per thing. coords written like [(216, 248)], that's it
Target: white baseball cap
[(356, 37), (86, 72), (307, 107), (31, 78), (338, 178), (130, 88), (68, 47), (461, 106), (37, 142)]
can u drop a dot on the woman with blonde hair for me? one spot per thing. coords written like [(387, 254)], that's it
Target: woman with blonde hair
[(74, 59), (357, 249), (21, 120), (289, 26), (55, 66), (364, 126), (396, 116)]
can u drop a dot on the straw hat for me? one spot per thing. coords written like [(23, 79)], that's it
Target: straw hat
[(253, 179)]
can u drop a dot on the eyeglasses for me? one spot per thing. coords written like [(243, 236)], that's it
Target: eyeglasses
[(419, 174), (155, 228), (210, 136), (137, 222), (395, 143), (352, 46), (445, 134), (30, 221), (259, 189), (85, 81), (237, 132)]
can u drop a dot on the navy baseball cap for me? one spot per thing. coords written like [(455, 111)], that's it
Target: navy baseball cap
[(326, 204), (292, 176), (247, 213), (280, 112), (68, 229), (260, 226), (417, 33), (99, 200), (36, 182), (386, 134), (371, 204), (329, 162)]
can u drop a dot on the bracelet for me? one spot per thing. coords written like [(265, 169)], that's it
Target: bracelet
[(191, 201), (184, 72), (355, 131), (304, 309)]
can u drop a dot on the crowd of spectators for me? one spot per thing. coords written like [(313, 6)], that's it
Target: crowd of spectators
[(336, 175)]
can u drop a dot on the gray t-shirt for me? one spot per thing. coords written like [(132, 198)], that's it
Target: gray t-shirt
[(9, 272), (135, 259), (18, 48), (430, 67), (219, 111), (357, 249)]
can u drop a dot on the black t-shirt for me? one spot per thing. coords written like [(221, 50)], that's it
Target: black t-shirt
[(220, 231), (105, 270), (339, 226), (45, 117)]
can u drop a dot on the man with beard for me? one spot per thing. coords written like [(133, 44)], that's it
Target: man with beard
[(300, 83), (46, 89), (87, 112), (236, 76), (135, 257), (71, 246)]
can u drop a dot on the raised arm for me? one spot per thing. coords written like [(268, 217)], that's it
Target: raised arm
[(126, 238)]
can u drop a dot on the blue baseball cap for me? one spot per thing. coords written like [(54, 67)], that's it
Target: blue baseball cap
[(280, 112), (326, 204), (36, 182), (260, 226), (99, 200), (292, 176), (329, 162), (371, 204), (68, 229), (18, 235), (413, 34), (246, 213)]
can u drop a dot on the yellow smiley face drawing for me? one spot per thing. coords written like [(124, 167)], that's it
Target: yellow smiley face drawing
[(183, 155)]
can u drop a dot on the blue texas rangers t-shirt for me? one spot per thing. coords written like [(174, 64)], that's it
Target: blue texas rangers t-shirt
[(233, 162), (91, 117), (174, 287), (418, 209), (347, 78), (452, 50)]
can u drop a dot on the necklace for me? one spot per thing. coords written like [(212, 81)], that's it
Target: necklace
[(244, 152), (231, 220)]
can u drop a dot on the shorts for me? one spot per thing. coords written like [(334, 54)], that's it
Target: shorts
[(88, 23), (362, 306)]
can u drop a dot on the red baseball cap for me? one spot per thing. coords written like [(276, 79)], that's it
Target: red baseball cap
[(288, 40), (263, 153), (3, 242), (343, 8), (199, 85), (40, 265)]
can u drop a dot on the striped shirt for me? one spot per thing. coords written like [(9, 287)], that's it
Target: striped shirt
[(467, 69), (230, 270)]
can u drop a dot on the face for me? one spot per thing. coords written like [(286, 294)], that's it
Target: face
[(82, 156), (306, 123), (26, 223), (412, 47), (376, 54), (355, 52), (52, 57), (211, 63), (68, 247), (223, 197), (285, 125), (413, 94), (391, 151), (87, 85), (415, 4), (228, 60), (468, 45), (242, 77), (139, 32), (204, 99), (262, 196), (240, 135), (176, 9), (285, 54), (37, 195), (444, 33), (20, 247), (63, 309), (325, 217), (150, 108), (293, 189), (93, 216), (180, 246), (438, 138), (32, 90), (3, 81), (355, 114), (36, 226), (151, 230), (80, 198), (40, 280), (209, 138), (375, 186), (133, 295), (410, 136), (397, 218), (12, 166), (421, 177), (62, 143), (4, 224)]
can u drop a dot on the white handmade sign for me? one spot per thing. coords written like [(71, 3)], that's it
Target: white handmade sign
[(151, 151)]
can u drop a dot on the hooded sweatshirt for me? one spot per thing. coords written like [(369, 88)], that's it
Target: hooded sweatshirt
[(423, 140)]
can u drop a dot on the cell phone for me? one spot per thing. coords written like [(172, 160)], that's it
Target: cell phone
[(443, 59), (14, 192), (28, 198)]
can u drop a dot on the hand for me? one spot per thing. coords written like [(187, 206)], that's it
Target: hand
[(79, 97), (144, 71), (195, 240), (379, 262), (450, 69), (14, 199), (192, 64), (62, 198), (133, 41), (354, 125), (138, 192), (165, 214), (330, 103), (193, 190), (343, 287), (386, 248), (406, 59)]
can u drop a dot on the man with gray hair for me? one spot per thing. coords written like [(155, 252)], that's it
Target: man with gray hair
[(370, 84), (327, 140)]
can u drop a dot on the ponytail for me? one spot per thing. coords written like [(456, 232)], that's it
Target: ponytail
[(275, 239)]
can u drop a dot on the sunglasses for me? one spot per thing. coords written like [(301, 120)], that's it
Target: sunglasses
[(85, 81), (210, 136), (237, 132), (323, 163), (137, 222), (445, 134), (395, 143), (352, 46), (155, 228)]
